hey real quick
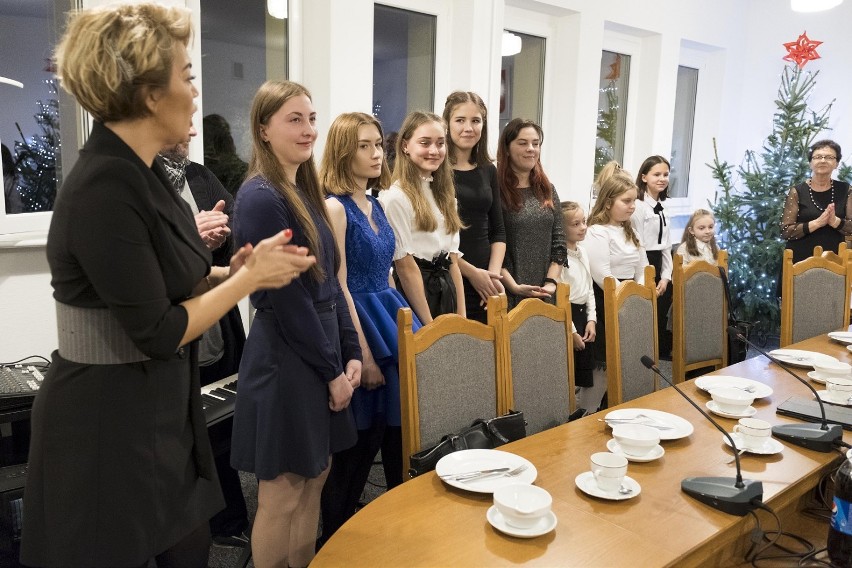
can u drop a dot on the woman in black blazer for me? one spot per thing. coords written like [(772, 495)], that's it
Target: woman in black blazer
[(120, 464)]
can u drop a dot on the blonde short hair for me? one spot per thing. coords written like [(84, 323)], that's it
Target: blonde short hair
[(110, 58)]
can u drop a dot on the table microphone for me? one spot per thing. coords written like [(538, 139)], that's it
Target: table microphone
[(728, 495), (822, 438)]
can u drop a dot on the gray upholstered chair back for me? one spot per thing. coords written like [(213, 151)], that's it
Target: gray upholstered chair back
[(539, 372), (456, 384), (636, 324), (818, 303), (704, 333)]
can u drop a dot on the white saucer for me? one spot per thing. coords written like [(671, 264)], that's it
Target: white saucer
[(770, 446), (802, 358), (841, 336), (655, 453), (823, 394), (708, 382), (714, 408), (546, 524), (587, 484), (818, 377)]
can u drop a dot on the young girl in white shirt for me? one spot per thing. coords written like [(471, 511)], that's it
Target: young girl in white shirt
[(575, 272), (421, 208), (649, 221), (613, 249), (699, 238)]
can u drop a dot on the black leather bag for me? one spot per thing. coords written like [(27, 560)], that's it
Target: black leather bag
[(481, 435), (737, 350)]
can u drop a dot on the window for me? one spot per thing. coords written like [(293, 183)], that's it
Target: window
[(684, 120), (521, 77), (612, 108), (403, 64), (37, 113), (236, 60)]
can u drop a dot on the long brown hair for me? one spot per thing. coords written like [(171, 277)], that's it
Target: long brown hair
[(612, 182), (649, 163), (479, 152), (270, 97), (407, 176), (689, 238), (508, 180), (341, 146)]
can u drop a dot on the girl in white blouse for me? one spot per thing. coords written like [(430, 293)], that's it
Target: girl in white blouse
[(699, 238), (649, 221), (421, 207), (613, 249), (575, 272)]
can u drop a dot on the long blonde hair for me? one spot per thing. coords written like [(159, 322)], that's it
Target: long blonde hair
[(341, 146), (612, 182), (270, 97), (689, 238), (407, 176)]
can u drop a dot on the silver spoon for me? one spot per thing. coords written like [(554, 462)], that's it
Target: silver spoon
[(624, 490)]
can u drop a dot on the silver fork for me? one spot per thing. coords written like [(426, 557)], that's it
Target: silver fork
[(640, 418), (511, 473)]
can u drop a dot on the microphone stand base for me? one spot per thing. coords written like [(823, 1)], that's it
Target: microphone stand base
[(721, 493), (810, 436)]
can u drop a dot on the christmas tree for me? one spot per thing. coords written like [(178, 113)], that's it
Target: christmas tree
[(37, 156), (750, 218)]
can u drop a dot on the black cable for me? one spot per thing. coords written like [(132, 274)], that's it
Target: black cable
[(46, 363), (811, 561), (770, 539)]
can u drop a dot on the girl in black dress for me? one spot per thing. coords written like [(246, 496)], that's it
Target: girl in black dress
[(483, 239)]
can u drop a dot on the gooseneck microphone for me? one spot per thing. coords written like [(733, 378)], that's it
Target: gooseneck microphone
[(822, 438), (728, 495)]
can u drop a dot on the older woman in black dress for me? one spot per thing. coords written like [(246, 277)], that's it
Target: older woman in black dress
[(817, 212), (120, 464)]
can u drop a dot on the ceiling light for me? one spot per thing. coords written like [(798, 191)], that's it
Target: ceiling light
[(511, 44), (813, 5), (277, 8)]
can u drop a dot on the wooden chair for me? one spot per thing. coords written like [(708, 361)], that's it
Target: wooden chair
[(699, 316), (814, 296), (538, 360), (631, 332), (448, 377)]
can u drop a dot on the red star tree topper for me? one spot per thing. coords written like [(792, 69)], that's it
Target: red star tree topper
[(802, 50)]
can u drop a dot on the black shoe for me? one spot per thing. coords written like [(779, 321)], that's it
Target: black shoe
[(235, 540)]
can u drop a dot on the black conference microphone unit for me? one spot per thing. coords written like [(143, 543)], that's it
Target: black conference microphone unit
[(726, 494), (823, 437)]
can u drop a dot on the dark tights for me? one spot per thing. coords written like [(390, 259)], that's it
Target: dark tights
[(191, 552)]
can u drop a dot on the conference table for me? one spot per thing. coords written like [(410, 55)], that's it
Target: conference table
[(425, 522)]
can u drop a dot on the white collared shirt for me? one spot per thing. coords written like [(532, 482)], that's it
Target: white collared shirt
[(704, 253), (646, 223), (409, 239), (610, 253), (579, 278)]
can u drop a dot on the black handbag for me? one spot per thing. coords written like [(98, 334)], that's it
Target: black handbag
[(481, 435), (737, 350)]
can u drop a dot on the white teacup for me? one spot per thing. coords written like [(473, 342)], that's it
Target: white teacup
[(754, 432), (732, 400), (839, 389), (636, 439), (522, 506), (609, 470), (830, 368)]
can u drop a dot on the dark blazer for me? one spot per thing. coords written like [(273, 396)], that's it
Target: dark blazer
[(207, 190), (120, 464)]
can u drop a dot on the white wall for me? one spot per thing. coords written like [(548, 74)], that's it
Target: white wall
[(737, 41)]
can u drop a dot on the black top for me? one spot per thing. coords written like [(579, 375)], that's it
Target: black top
[(803, 206), (480, 210)]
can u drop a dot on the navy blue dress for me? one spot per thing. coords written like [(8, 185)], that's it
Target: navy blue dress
[(301, 338), (368, 260)]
